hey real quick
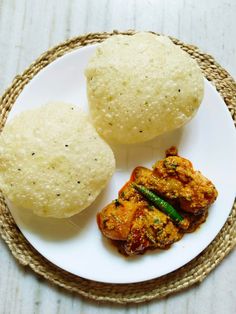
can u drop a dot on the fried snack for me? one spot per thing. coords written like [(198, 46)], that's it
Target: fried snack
[(141, 86), (52, 161)]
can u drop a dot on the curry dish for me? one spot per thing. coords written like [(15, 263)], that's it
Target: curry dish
[(135, 223)]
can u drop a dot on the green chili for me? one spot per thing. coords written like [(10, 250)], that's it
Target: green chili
[(161, 204)]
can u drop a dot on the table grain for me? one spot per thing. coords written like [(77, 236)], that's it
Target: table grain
[(30, 27)]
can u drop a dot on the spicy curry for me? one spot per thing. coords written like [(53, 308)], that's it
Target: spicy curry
[(135, 221)]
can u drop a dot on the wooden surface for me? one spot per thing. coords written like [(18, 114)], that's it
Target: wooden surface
[(30, 27)]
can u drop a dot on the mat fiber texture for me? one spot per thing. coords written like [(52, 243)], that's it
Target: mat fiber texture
[(193, 272)]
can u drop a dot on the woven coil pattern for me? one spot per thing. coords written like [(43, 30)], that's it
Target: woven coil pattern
[(193, 272)]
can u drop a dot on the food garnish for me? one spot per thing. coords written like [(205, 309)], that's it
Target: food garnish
[(163, 205)]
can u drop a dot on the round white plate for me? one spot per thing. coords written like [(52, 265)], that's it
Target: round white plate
[(76, 244)]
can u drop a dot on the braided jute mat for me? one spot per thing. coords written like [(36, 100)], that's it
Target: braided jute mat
[(193, 272)]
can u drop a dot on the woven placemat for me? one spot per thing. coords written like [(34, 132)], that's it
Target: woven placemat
[(191, 273)]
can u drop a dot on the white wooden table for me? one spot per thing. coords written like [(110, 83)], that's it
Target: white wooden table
[(30, 27)]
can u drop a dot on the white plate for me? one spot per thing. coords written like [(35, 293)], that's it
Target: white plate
[(76, 245)]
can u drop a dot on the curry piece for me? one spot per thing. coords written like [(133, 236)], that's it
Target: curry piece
[(175, 179), (150, 229), (135, 225)]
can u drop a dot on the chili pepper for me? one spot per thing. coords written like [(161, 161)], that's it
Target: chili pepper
[(163, 205)]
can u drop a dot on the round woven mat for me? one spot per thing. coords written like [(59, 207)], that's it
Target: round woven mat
[(193, 272)]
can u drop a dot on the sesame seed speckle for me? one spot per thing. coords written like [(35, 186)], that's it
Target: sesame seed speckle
[(78, 182), (58, 194), (66, 145), (19, 169)]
